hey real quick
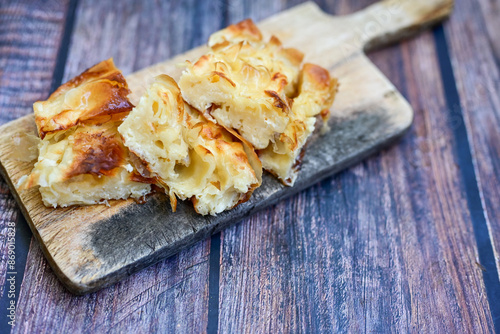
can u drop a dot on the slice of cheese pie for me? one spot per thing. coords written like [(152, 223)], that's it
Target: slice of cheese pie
[(82, 159), (258, 89), (316, 91), (96, 96), (190, 157)]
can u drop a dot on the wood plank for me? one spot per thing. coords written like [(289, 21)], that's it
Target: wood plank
[(370, 114), (347, 206), (491, 15), (172, 294), (478, 81), (30, 35), (164, 298), (386, 246)]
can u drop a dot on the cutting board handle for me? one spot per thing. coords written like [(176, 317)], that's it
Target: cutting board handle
[(389, 21)]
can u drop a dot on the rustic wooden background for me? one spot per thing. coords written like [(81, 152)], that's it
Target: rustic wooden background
[(407, 241)]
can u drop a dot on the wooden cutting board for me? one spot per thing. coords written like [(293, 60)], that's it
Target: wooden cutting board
[(94, 246)]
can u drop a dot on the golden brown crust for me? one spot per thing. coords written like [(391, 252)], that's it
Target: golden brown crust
[(244, 30), (96, 154), (84, 165), (82, 159), (96, 96), (294, 56), (318, 86), (258, 90), (315, 93), (278, 101), (191, 157), (316, 75), (244, 83)]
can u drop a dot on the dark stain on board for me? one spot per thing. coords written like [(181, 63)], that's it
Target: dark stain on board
[(143, 234)]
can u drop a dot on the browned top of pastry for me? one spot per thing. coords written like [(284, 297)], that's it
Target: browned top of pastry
[(96, 96), (96, 153)]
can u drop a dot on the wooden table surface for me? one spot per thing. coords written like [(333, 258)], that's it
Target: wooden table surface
[(407, 241)]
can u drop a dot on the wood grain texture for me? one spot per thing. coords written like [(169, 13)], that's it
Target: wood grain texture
[(169, 297), (386, 246), (30, 36), (491, 19), (172, 295), (476, 66), (372, 258), (105, 244)]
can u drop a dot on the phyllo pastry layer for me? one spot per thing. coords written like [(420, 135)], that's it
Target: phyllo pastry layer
[(316, 91), (82, 159), (96, 96), (190, 157), (259, 90)]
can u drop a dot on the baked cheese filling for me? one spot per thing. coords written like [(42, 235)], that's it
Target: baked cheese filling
[(259, 89), (245, 105), (82, 159), (190, 157)]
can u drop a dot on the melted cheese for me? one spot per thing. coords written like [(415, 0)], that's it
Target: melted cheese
[(316, 93), (258, 89), (190, 157), (244, 84), (96, 96), (82, 159)]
